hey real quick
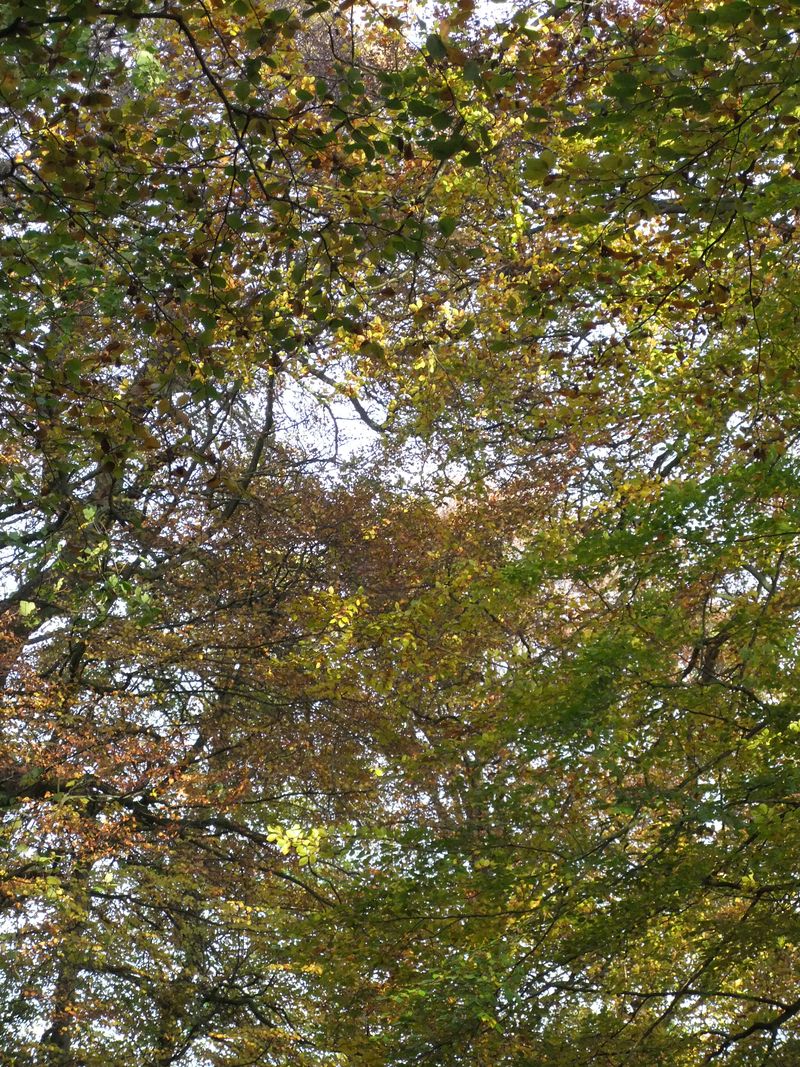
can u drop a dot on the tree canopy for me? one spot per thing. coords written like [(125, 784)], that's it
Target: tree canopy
[(399, 587)]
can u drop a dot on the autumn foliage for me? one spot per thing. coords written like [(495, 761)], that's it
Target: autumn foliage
[(399, 588)]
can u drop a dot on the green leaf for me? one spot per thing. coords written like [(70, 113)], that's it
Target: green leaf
[(536, 169), (624, 84), (732, 14), (472, 71), (446, 147), (435, 46)]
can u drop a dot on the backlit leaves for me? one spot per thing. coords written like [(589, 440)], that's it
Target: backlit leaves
[(399, 449)]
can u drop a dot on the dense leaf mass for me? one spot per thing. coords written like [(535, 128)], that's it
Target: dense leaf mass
[(399, 592)]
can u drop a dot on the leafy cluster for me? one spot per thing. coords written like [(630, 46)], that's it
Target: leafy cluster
[(400, 450)]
